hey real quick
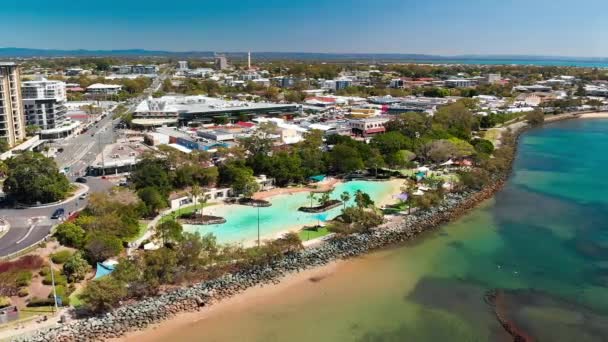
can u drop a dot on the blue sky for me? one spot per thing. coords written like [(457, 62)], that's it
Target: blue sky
[(447, 27)]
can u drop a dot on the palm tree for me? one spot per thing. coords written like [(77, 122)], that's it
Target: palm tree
[(311, 196), (407, 188), (359, 199), (195, 192), (203, 201), (345, 197)]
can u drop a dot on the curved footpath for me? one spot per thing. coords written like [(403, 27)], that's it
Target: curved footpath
[(140, 315)]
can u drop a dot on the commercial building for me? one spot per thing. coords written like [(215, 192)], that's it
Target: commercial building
[(221, 62), (460, 83), (44, 106), (12, 120), (182, 65), (138, 69), (368, 127), (202, 109), (337, 84), (104, 89), (533, 88), (593, 90)]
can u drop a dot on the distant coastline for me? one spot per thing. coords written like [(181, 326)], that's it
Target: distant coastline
[(490, 60)]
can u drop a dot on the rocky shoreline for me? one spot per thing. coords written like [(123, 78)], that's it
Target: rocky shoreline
[(153, 310)]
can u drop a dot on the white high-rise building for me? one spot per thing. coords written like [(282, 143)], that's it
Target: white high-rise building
[(12, 120), (44, 104), (182, 65)]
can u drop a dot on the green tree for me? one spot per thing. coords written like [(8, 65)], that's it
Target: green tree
[(311, 196), (238, 176), (4, 146), (70, 234), (101, 246), (325, 198), (153, 200), (75, 268), (31, 130), (152, 173), (483, 146), (190, 249), (363, 200), (169, 231), (535, 118), (345, 159), (103, 294), (33, 178), (344, 197), (159, 267), (456, 118), (390, 142)]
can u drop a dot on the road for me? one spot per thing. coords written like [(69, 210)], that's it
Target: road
[(28, 226)]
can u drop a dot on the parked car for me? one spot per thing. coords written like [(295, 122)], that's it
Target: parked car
[(58, 213), (84, 196), (81, 180)]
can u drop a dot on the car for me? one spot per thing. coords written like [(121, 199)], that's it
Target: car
[(58, 213), (81, 180), (84, 196), (59, 150)]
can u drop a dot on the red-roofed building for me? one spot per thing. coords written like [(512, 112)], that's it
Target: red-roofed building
[(245, 124), (367, 127)]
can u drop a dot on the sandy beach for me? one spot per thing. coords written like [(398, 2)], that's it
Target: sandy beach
[(323, 186), (289, 286), (598, 115)]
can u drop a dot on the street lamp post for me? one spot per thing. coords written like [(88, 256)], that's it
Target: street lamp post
[(54, 291)]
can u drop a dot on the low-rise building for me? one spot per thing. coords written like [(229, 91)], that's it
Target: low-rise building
[(203, 109), (460, 83), (368, 127), (104, 89)]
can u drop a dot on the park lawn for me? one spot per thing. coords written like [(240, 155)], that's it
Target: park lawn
[(35, 311), (492, 134), (75, 300), (184, 210), (306, 235)]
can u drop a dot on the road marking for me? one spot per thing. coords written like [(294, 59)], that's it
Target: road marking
[(27, 234)]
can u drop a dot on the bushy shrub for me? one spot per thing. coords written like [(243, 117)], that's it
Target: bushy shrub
[(24, 278), (35, 302), (4, 302), (63, 292), (61, 256), (23, 292), (60, 279)]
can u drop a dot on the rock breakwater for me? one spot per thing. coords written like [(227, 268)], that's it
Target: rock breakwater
[(149, 311)]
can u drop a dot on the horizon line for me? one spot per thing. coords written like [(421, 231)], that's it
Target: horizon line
[(466, 55)]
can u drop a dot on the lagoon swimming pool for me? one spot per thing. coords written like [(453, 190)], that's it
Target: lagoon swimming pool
[(242, 221)]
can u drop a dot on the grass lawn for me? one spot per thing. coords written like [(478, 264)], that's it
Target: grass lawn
[(35, 311), (306, 235), (184, 210), (492, 134), (75, 299)]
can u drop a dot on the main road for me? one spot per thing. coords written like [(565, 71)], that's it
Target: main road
[(29, 226)]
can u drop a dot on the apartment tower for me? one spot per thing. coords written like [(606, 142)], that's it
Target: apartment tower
[(12, 120)]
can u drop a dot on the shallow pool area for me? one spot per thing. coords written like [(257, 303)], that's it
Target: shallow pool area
[(242, 221)]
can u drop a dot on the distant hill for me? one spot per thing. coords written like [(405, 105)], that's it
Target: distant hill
[(12, 52)]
